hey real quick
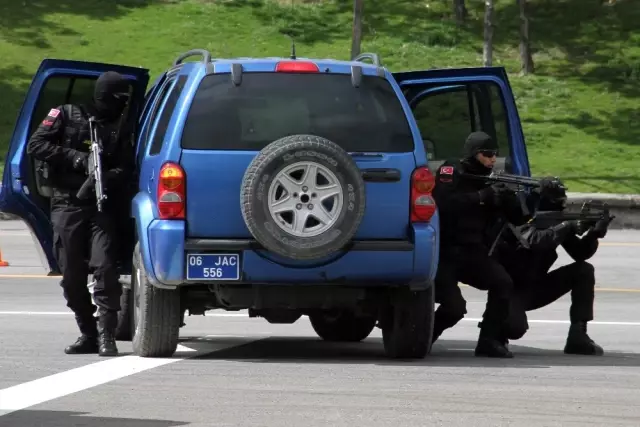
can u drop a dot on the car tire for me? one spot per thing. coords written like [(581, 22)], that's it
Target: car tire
[(123, 330), (408, 331), (157, 325), (267, 174), (345, 327)]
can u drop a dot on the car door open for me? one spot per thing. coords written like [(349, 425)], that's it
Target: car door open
[(55, 83)]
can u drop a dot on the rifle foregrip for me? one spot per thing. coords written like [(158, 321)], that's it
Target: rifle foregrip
[(85, 190)]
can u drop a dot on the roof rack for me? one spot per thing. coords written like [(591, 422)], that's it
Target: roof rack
[(205, 54), (375, 59)]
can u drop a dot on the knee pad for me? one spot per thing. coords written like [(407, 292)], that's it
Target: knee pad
[(516, 326), (515, 332)]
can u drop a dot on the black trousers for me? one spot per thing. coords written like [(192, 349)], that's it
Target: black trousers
[(472, 266), (81, 232), (577, 278)]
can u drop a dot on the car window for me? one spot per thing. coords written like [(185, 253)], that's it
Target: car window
[(148, 127), (60, 90), (446, 116), (269, 106), (165, 115)]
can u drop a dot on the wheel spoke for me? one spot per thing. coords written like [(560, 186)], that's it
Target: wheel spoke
[(286, 204), (321, 214), (327, 191), (310, 177), (289, 184), (300, 221)]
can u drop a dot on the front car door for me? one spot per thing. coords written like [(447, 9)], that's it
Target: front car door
[(449, 104), (55, 83)]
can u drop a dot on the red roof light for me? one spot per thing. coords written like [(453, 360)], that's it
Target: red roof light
[(297, 67)]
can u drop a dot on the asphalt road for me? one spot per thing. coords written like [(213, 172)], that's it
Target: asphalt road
[(231, 370)]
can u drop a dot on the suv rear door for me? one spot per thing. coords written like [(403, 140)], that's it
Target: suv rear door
[(448, 104), (227, 125), (56, 82)]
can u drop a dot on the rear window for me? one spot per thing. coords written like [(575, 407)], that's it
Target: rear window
[(269, 106)]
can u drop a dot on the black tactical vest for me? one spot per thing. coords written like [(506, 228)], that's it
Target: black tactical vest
[(76, 136)]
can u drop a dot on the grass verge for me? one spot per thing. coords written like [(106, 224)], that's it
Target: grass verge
[(580, 112)]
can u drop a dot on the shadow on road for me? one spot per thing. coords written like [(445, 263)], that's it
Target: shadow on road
[(445, 353), (30, 418)]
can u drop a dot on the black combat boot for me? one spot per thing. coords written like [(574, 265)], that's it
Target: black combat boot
[(578, 342), (107, 334), (87, 343), (84, 345), (491, 344)]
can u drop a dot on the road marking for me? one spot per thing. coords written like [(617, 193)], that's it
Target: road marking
[(567, 322), (36, 313), (28, 276), (42, 276), (62, 384), (246, 315)]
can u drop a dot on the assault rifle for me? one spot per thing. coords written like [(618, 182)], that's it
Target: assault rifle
[(505, 178), (590, 213), (519, 181), (95, 169)]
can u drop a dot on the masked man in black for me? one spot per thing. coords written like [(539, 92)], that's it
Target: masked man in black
[(468, 210), (536, 286), (62, 143)]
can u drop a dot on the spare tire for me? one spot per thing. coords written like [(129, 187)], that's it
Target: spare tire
[(303, 197)]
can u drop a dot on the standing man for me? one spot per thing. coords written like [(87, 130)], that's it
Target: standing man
[(62, 142), (537, 287), (468, 209)]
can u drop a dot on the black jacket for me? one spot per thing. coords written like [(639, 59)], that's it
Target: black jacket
[(466, 217), (64, 132)]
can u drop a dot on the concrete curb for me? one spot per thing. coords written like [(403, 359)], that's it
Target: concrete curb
[(626, 208)]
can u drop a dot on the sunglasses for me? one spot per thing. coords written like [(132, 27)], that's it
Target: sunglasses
[(488, 153)]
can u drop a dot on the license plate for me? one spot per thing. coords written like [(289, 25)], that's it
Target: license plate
[(213, 267)]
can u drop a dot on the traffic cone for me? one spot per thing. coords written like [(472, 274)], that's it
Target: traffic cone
[(2, 262)]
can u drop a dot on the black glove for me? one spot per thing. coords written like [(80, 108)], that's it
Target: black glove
[(499, 194), (549, 183), (577, 227), (81, 161), (600, 229)]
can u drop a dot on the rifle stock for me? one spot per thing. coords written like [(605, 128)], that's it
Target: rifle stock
[(94, 180)]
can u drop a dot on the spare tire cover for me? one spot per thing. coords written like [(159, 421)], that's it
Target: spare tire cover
[(303, 197)]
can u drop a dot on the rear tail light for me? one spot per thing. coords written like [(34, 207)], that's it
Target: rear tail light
[(171, 191), (423, 206), (296, 67)]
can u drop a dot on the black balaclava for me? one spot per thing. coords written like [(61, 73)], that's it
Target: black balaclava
[(476, 142), (110, 96)]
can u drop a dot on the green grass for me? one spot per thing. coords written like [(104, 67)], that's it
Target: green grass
[(580, 112)]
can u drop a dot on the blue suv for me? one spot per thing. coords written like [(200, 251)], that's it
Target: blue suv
[(285, 186)]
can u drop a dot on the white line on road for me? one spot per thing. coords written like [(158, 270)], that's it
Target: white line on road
[(466, 319), (36, 313), (42, 390), (469, 319)]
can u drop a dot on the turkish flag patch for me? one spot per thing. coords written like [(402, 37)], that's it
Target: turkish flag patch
[(53, 113), (446, 170)]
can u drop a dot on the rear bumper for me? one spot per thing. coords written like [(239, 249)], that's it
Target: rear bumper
[(215, 245), (363, 263)]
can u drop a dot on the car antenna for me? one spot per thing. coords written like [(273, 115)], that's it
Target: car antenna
[(293, 49)]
